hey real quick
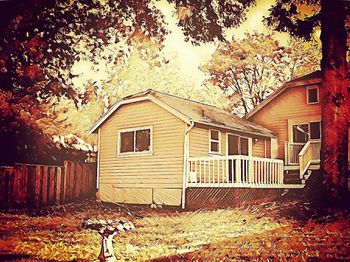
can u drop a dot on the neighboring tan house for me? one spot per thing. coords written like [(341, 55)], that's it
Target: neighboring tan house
[(163, 149), (293, 113)]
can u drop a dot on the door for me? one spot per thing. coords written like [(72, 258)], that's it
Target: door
[(236, 145)]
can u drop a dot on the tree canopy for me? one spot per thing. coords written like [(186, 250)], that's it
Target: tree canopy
[(250, 69)]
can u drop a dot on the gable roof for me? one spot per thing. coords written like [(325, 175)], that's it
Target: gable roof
[(189, 111), (309, 79)]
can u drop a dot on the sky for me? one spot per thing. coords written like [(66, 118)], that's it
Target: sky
[(186, 57)]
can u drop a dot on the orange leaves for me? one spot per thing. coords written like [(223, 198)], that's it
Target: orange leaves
[(259, 233), (185, 12)]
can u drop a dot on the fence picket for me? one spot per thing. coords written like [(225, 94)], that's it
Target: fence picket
[(41, 185), (51, 185)]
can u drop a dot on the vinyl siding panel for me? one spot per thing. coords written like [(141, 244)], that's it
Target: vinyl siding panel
[(128, 176), (199, 143), (261, 148), (289, 106)]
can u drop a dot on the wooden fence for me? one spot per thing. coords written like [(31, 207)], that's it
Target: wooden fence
[(43, 185)]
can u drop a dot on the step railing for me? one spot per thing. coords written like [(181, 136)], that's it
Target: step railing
[(237, 170), (291, 152), (309, 154)]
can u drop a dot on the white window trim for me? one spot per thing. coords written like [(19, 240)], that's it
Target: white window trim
[(134, 129), (307, 95), (293, 123), (214, 140)]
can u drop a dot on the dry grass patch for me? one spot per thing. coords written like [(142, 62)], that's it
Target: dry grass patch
[(286, 231)]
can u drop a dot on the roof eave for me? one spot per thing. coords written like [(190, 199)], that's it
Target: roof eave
[(132, 99), (236, 129)]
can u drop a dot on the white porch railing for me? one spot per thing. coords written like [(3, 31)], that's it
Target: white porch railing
[(308, 155), (234, 171), (291, 152)]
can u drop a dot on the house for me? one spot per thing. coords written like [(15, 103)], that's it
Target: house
[(163, 149), (293, 113)]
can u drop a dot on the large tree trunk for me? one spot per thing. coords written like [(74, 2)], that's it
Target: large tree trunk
[(334, 100)]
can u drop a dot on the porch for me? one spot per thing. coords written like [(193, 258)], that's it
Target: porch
[(236, 171), (302, 156)]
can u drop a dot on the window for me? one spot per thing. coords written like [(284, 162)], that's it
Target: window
[(244, 146), (300, 133), (135, 140), (312, 95), (214, 141), (237, 145), (305, 132), (315, 130)]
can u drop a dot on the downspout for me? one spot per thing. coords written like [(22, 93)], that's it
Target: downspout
[(184, 175), (98, 158)]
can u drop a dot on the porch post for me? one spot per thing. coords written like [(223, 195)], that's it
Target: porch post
[(238, 170), (185, 171)]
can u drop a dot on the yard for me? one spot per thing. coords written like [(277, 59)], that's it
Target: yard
[(288, 231)]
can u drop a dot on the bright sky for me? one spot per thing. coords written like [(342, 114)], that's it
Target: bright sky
[(188, 57)]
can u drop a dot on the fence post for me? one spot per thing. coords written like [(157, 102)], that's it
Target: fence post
[(251, 170)]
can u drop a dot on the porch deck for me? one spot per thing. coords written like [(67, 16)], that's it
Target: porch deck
[(236, 171)]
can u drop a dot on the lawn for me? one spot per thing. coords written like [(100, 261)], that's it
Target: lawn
[(284, 231)]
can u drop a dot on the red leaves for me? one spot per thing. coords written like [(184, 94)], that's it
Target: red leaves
[(33, 72)]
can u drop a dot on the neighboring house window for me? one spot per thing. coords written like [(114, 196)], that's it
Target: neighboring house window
[(135, 140), (315, 130), (305, 132), (214, 141), (312, 95), (300, 133)]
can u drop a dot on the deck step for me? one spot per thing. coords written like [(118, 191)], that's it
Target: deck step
[(294, 180), (292, 177)]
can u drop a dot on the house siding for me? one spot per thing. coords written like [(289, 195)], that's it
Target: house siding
[(142, 179), (261, 148), (199, 143), (289, 107)]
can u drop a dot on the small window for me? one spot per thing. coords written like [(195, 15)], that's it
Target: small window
[(300, 133), (214, 141), (135, 141), (315, 130), (312, 95)]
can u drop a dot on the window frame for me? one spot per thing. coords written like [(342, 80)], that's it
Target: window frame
[(309, 131), (214, 140), (315, 139), (135, 153), (307, 95), (250, 144)]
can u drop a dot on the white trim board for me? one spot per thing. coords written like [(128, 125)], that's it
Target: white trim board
[(121, 102)]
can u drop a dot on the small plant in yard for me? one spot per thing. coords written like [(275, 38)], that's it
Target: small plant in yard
[(108, 229)]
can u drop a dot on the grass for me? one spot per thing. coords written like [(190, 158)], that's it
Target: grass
[(262, 232)]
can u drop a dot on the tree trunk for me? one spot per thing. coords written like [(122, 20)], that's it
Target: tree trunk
[(334, 100)]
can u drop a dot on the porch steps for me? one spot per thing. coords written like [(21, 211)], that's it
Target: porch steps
[(292, 177)]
